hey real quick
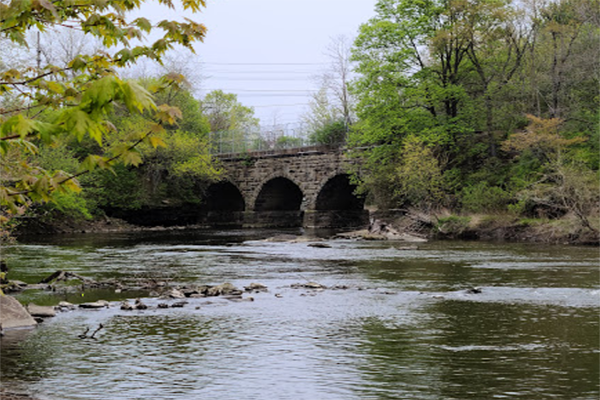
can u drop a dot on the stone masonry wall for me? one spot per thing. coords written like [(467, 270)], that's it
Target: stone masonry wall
[(309, 170)]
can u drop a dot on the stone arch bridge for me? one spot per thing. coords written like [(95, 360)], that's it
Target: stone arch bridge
[(306, 187)]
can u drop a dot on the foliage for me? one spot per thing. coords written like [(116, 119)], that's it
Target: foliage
[(180, 170), (419, 179), (288, 142), (541, 138), (453, 226), (68, 204), (330, 134), (482, 197), (78, 97), (119, 188), (231, 123), (479, 104)]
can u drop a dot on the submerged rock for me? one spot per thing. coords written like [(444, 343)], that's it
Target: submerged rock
[(406, 248), (282, 238), (308, 285), (320, 245)]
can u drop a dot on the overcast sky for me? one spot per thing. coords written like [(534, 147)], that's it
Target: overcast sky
[(266, 51)]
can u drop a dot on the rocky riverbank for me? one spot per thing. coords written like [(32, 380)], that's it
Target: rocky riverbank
[(495, 227)]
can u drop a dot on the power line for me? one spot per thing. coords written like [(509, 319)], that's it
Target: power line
[(251, 79), (267, 90), (282, 105), (262, 64)]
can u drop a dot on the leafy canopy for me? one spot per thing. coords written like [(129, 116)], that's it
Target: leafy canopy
[(40, 104)]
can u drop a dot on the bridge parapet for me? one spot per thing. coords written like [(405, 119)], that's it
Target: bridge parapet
[(275, 153)]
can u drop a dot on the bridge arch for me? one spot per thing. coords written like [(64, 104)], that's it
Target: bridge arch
[(338, 194), (224, 196), (223, 205), (279, 194)]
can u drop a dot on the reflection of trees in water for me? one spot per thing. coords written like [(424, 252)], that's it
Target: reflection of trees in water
[(490, 348), (28, 355), (396, 359)]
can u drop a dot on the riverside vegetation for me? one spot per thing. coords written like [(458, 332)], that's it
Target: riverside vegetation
[(481, 116)]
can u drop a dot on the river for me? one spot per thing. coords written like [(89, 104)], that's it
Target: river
[(393, 324)]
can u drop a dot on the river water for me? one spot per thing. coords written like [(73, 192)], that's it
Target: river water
[(393, 324)]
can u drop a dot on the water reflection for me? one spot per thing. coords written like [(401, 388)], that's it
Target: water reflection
[(403, 328)]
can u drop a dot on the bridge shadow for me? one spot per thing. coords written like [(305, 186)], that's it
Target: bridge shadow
[(223, 206), (278, 205), (338, 206)]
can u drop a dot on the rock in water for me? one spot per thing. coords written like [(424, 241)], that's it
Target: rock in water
[(175, 294), (224, 289), (14, 315), (139, 305), (95, 304), (255, 287), (320, 245), (308, 285), (66, 304), (41, 311), (126, 306)]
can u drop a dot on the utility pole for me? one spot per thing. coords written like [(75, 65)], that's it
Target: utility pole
[(39, 53)]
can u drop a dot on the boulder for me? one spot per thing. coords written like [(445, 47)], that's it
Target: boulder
[(95, 304), (224, 289), (41, 311), (65, 305), (126, 306), (13, 314), (139, 305), (255, 287), (173, 294)]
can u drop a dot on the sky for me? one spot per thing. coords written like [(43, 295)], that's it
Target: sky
[(268, 51)]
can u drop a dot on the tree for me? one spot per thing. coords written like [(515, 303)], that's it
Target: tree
[(321, 112), (563, 185), (43, 103), (337, 78), (411, 65), (497, 43), (233, 122)]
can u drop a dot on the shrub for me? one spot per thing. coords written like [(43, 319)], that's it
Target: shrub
[(484, 198), (332, 133)]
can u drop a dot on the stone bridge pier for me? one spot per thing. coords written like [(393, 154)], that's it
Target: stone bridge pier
[(308, 188)]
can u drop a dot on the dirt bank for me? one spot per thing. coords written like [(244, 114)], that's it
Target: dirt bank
[(497, 227)]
